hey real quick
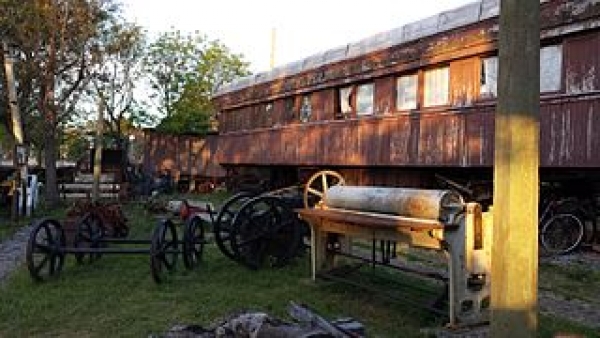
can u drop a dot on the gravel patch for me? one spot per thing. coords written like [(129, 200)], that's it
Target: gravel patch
[(12, 252)]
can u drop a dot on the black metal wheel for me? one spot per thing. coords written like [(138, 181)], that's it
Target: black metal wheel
[(90, 232), (317, 185), (45, 256), (164, 249), (265, 231), (193, 242), (222, 225)]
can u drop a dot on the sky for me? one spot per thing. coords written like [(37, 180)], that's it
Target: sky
[(302, 28)]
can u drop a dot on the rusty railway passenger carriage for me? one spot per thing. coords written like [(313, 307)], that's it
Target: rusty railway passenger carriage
[(399, 107)]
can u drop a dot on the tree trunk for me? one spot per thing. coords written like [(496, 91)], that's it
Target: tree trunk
[(52, 196), (48, 110)]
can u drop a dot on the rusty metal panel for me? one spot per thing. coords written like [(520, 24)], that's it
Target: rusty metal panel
[(385, 95), (196, 145), (272, 152), (251, 152), (439, 140), (568, 136), (320, 148), (238, 154), (288, 146), (211, 168), (366, 135), (464, 81), (307, 141), (333, 148), (478, 148), (184, 155), (278, 111), (222, 150), (328, 103), (348, 153), (243, 151), (228, 151), (316, 107), (270, 149), (400, 140), (383, 136), (370, 142), (582, 63)]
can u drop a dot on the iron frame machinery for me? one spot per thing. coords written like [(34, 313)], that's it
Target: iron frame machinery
[(431, 219)]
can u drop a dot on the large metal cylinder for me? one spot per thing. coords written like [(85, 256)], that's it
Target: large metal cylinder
[(417, 203)]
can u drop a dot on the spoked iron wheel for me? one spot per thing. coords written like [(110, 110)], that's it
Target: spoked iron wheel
[(89, 234), (318, 184), (44, 255), (193, 242), (222, 225), (164, 248), (265, 232), (561, 234)]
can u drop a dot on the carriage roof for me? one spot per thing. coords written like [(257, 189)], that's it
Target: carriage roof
[(442, 22)]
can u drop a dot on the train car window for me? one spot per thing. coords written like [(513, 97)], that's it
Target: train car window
[(346, 104), (550, 68), (436, 87), (489, 77), (406, 92), (290, 109), (305, 109), (365, 99), (268, 111)]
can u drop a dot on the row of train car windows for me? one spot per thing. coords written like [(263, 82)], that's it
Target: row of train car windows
[(359, 99)]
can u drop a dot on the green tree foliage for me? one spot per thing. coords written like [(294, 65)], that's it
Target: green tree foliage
[(184, 72), (55, 41), (114, 78)]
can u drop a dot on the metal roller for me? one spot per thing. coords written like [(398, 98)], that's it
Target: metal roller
[(439, 205)]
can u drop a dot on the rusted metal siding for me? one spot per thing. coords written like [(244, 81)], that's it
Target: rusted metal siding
[(440, 140), (569, 133), (582, 63), (456, 137), (385, 95), (181, 155), (479, 134), (465, 81)]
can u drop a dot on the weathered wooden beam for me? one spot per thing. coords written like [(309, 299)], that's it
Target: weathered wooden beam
[(516, 181)]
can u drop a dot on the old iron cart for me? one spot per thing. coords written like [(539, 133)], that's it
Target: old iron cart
[(258, 230), (47, 246)]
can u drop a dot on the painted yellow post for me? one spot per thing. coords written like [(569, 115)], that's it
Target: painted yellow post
[(516, 181)]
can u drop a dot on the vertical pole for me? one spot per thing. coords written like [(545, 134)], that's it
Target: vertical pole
[(516, 177), (98, 152), (17, 129), (273, 43)]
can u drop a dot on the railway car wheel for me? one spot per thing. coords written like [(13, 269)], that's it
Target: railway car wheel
[(265, 231), (317, 185), (44, 255), (90, 232), (222, 225), (164, 249), (193, 242)]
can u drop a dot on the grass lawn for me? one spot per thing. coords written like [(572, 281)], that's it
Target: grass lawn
[(116, 296)]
